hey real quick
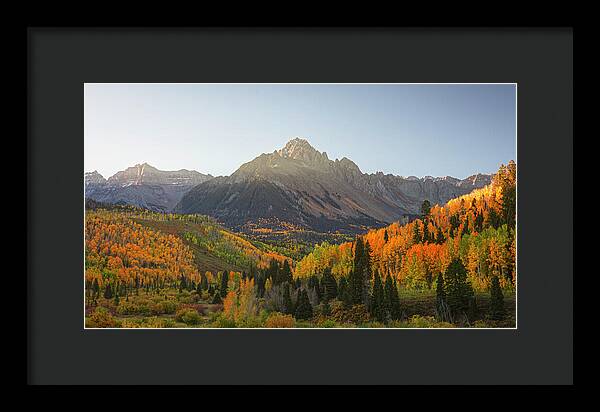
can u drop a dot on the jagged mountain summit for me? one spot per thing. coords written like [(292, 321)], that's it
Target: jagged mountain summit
[(143, 185), (302, 186)]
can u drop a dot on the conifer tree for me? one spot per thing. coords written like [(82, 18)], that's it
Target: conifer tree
[(459, 292), (385, 236), (329, 285), (117, 300), (286, 273), (304, 309), (416, 233), (389, 290), (224, 283), (395, 310), (217, 298), (273, 272), (367, 275), (355, 283), (96, 288), (376, 307), (425, 208), (496, 311), (287, 299), (440, 236)]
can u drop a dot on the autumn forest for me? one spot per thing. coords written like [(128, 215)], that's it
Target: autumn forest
[(451, 265)]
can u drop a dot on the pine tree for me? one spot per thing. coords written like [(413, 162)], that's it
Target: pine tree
[(425, 208), (396, 310), (416, 233), (355, 280), (496, 311), (287, 299), (304, 309), (459, 292), (96, 288), (376, 307), (441, 306), (273, 272), (385, 236), (367, 275), (344, 294), (286, 273), (330, 289), (117, 300), (217, 298), (389, 291), (440, 236), (224, 283), (182, 283)]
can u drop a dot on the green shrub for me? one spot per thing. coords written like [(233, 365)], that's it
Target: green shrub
[(221, 321), (188, 316), (165, 307), (130, 308), (328, 323)]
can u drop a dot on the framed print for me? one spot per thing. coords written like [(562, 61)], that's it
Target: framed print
[(267, 201)]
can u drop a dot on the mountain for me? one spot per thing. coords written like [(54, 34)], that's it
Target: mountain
[(143, 185), (301, 186)]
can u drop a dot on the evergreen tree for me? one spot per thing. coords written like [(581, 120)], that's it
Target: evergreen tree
[(182, 283), (367, 275), (440, 236), (385, 236), (441, 306), (496, 311), (217, 298), (298, 283), (313, 283), (224, 283), (357, 274), (376, 308), (344, 293), (395, 310), (329, 285), (425, 231), (304, 309), (425, 208), (273, 272), (287, 299), (389, 290), (459, 292), (416, 233), (96, 288), (117, 300), (479, 222), (286, 273)]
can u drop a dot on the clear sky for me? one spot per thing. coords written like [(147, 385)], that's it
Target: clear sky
[(419, 130)]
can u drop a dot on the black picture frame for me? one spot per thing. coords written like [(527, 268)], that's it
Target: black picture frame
[(540, 61)]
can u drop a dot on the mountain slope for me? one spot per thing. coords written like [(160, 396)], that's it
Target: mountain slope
[(144, 186), (300, 185)]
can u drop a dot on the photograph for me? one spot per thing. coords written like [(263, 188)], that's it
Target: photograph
[(300, 205)]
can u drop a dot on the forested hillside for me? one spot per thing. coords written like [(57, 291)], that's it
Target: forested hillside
[(453, 266), (477, 228)]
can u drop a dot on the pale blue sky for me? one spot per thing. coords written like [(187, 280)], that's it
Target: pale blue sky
[(419, 130)]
